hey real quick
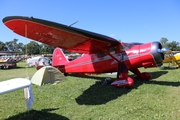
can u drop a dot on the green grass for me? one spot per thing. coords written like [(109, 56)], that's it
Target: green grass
[(82, 98)]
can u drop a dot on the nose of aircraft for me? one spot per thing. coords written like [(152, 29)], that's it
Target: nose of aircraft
[(158, 53)]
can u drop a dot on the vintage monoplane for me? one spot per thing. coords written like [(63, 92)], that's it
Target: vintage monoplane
[(101, 54)]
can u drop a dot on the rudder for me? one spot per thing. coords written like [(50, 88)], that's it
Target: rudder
[(59, 58)]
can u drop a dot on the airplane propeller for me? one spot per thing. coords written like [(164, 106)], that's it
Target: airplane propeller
[(166, 50)]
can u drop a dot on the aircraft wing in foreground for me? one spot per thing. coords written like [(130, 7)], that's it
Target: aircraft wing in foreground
[(101, 54), (16, 84)]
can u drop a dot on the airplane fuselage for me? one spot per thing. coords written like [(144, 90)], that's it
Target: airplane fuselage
[(133, 55)]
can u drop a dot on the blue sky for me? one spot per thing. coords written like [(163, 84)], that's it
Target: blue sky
[(125, 20)]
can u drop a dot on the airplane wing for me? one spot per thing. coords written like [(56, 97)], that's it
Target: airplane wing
[(13, 84), (58, 35), (16, 84), (8, 52), (10, 62)]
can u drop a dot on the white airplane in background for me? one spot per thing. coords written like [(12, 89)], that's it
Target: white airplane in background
[(38, 61)]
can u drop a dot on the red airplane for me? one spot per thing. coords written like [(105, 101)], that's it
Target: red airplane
[(101, 54)]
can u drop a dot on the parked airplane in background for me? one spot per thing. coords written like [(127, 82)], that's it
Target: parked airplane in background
[(172, 58), (38, 61), (102, 54), (7, 86), (8, 62)]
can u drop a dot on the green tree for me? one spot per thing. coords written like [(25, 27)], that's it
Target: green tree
[(3, 46), (164, 41), (32, 48), (46, 49), (174, 46), (14, 46)]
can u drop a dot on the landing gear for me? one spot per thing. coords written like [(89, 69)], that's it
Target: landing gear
[(123, 80), (123, 83)]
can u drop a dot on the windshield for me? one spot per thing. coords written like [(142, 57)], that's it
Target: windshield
[(128, 46)]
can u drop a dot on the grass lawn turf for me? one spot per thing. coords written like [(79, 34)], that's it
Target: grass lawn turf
[(83, 98)]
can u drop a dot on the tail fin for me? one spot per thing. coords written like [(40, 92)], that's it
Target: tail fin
[(59, 58)]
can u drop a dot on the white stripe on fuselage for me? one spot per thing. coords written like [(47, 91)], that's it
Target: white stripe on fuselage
[(95, 60)]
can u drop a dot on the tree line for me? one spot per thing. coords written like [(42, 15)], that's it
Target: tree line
[(31, 48), (174, 45)]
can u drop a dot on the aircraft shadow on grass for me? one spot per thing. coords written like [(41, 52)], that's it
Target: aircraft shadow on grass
[(101, 94), (44, 114)]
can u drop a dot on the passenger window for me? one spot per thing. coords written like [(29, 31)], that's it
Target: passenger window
[(122, 48), (101, 54), (113, 50)]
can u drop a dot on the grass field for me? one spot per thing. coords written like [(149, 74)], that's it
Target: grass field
[(82, 98)]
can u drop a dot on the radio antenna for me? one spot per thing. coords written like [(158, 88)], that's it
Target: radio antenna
[(73, 23)]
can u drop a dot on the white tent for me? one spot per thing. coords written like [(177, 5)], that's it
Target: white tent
[(47, 75)]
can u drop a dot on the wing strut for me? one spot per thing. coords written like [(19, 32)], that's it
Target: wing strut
[(119, 61), (99, 47), (122, 73)]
